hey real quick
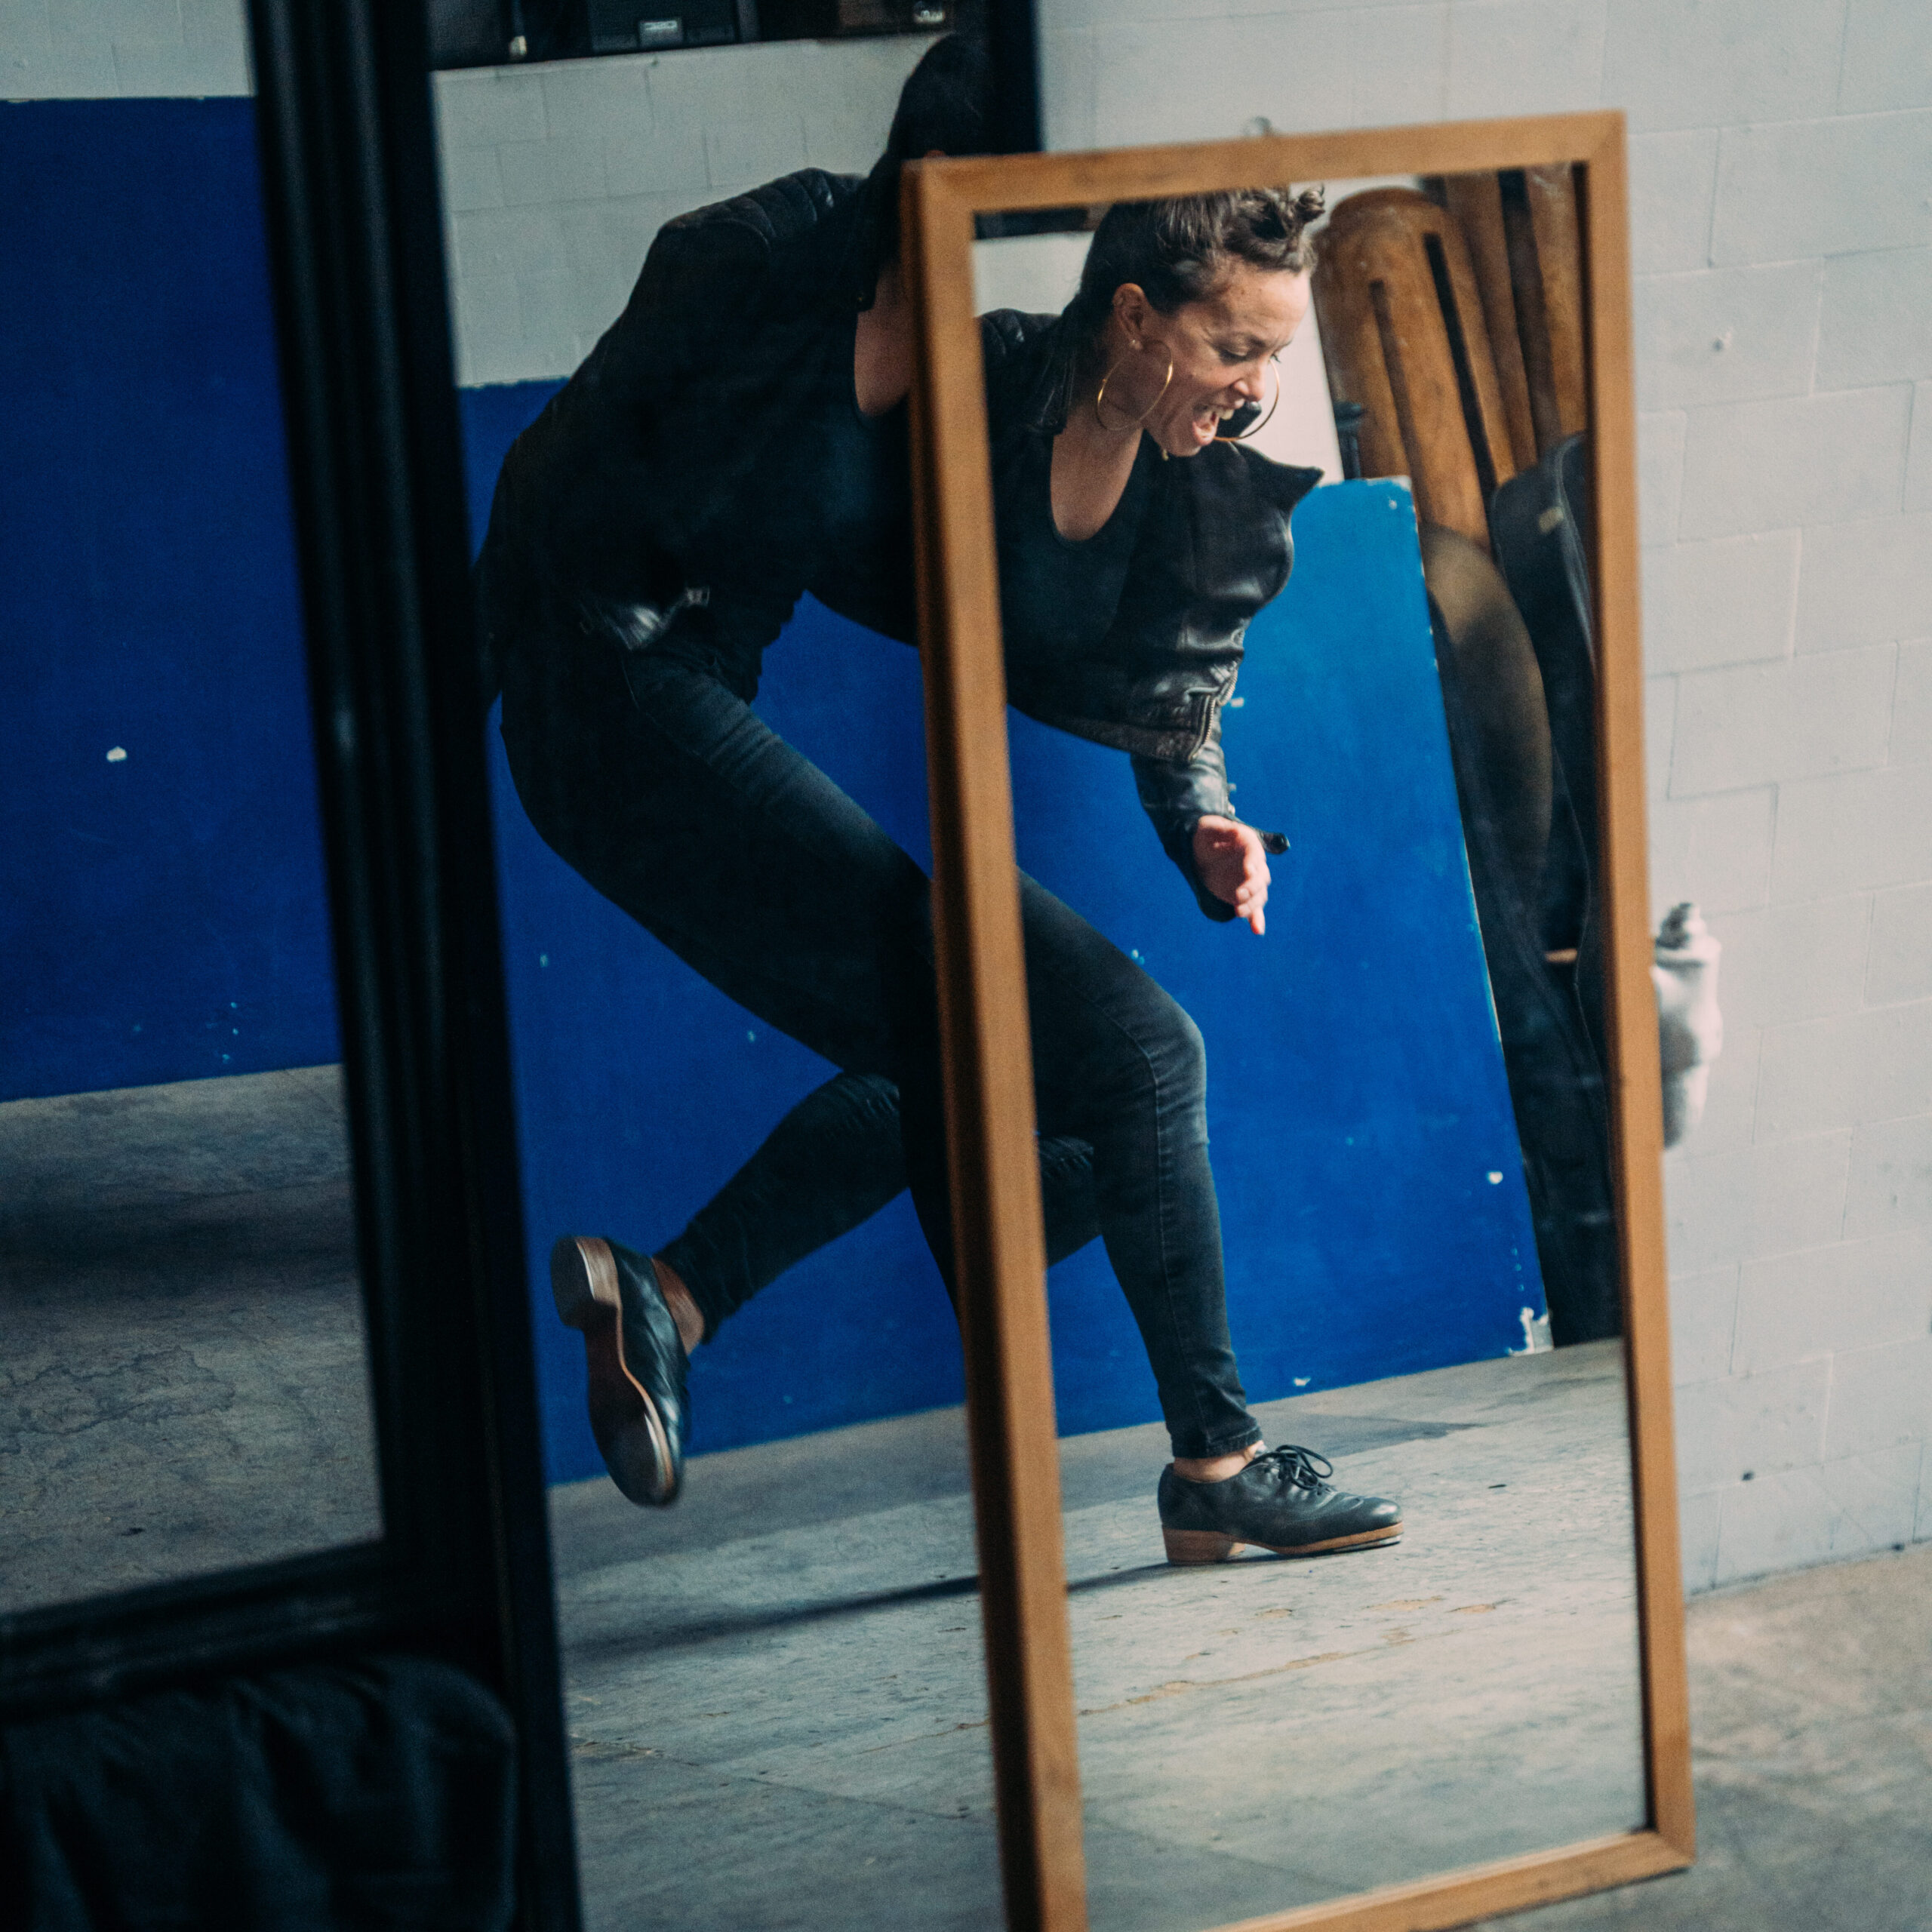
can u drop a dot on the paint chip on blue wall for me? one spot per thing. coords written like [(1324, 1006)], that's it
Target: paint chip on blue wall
[(117, 756)]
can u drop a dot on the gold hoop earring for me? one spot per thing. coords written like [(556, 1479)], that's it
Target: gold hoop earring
[(1135, 422), (1249, 435)]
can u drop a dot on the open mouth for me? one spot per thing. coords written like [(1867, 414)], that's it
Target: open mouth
[(1206, 421)]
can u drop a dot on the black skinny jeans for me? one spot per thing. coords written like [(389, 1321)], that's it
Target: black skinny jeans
[(669, 794), (827, 1167)]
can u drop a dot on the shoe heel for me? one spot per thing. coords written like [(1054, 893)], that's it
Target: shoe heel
[(1198, 1545), (584, 1279)]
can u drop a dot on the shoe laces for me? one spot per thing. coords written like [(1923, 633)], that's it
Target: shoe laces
[(1304, 1468)]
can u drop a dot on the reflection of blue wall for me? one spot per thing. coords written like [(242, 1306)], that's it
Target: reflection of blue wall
[(161, 915), (1356, 1096)]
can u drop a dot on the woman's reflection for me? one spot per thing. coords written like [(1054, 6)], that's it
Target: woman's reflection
[(1127, 581), (738, 438)]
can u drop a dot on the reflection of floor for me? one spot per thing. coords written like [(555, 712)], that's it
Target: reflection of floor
[(779, 1716), (182, 1385)]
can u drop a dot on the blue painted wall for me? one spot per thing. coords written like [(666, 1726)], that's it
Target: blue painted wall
[(1373, 1214), (164, 913)]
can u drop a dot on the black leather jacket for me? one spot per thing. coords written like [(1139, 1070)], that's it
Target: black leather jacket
[(1211, 548), (707, 464)]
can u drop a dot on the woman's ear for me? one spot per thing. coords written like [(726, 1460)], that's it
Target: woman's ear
[(1131, 308)]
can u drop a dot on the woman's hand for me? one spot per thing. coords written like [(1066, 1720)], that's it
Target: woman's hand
[(1233, 866)]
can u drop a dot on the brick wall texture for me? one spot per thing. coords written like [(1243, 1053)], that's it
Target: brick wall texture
[(1782, 233)]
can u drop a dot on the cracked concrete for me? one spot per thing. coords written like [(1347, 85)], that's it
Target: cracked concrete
[(183, 1378)]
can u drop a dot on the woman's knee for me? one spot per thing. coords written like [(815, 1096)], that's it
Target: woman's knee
[(1174, 1045), (1148, 1054)]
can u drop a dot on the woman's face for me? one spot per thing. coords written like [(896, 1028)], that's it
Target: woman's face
[(1221, 345)]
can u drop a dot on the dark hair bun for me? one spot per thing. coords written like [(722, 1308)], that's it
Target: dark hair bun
[(943, 106), (1180, 250)]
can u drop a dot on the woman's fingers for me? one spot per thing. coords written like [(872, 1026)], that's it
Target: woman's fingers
[(1254, 879), (1252, 895), (1234, 866)]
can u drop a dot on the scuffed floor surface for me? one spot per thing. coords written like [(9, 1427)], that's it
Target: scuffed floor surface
[(1811, 1736), (183, 1383), (777, 1698)]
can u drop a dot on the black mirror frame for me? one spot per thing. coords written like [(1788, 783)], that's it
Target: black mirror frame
[(463, 1570)]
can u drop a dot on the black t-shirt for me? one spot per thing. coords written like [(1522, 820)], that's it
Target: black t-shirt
[(1059, 597)]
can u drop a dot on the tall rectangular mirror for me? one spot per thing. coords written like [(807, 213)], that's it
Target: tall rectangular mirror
[(683, 350), (184, 1377), (1283, 491)]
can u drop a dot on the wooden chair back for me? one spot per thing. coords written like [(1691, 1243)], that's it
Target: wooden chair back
[(1525, 245), (1404, 331)]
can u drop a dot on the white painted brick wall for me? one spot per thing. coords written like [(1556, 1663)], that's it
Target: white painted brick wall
[(556, 177), (1781, 163), (92, 50)]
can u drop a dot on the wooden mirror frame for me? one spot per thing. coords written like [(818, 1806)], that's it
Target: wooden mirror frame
[(1000, 1257)]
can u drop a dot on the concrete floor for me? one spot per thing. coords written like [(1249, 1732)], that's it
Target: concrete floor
[(183, 1386), (776, 1689), (1811, 1724), (781, 1678)]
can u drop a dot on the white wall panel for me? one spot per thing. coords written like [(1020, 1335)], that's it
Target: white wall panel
[(1826, 187), (1727, 335), (1729, 602), (1701, 63), (1887, 57), (1794, 459), (93, 50)]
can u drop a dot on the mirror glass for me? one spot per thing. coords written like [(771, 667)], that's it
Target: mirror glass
[(183, 1383), (1348, 1515), (683, 352)]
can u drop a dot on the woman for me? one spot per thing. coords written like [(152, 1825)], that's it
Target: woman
[(1127, 581), (630, 600), (738, 436)]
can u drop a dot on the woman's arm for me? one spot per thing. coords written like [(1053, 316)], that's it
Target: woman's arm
[(1224, 861)]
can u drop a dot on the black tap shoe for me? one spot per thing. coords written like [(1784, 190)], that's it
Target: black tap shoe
[(1279, 1502), (636, 1359)]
